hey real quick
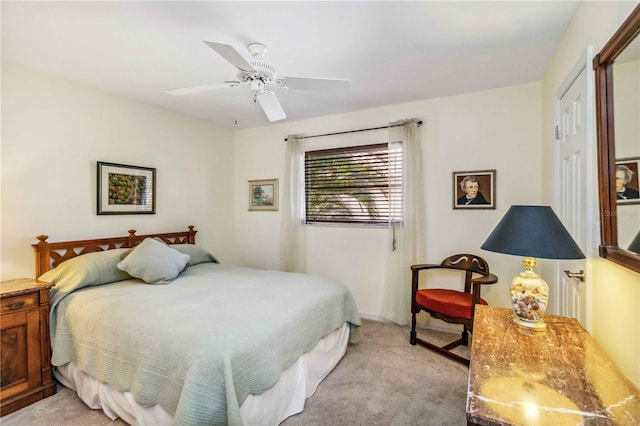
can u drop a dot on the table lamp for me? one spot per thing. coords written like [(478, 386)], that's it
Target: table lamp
[(532, 232)]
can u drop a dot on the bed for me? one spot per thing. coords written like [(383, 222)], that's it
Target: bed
[(154, 330)]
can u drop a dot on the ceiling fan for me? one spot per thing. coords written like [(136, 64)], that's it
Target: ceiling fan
[(261, 77)]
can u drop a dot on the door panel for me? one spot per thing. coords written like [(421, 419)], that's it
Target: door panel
[(572, 166)]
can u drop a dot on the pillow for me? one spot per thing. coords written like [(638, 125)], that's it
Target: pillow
[(154, 262), (197, 253), (86, 270), (127, 251)]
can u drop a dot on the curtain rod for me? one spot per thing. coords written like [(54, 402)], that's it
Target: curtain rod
[(353, 131)]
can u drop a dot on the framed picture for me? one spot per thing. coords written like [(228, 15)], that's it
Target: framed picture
[(474, 189), (126, 189), (627, 186), (263, 194)]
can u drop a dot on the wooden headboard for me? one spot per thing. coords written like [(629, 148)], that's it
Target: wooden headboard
[(49, 255)]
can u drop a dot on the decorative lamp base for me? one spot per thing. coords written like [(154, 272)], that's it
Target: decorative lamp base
[(530, 325), (529, 297)]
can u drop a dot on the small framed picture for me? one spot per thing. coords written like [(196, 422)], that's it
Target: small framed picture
[(263, 194), (627, 185), (126, 189), (474, 189)]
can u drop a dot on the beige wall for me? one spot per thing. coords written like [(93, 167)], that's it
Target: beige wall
[(495, 129), (615, 291), (54, 131)]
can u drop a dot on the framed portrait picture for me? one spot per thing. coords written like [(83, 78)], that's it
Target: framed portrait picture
[(263, 194), (474, 189), (627, 185), (126, 189)]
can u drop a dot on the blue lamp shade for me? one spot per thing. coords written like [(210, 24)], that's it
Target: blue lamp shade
[(532, 231)]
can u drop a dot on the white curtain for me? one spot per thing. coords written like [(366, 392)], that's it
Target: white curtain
[(407, 226), (292, 239)]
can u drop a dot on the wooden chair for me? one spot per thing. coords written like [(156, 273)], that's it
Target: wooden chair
[(452, 306)]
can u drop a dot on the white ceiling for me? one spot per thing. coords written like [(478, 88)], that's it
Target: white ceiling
[(393, 52)]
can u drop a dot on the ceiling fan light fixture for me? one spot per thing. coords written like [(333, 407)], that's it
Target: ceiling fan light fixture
[(257, 86)]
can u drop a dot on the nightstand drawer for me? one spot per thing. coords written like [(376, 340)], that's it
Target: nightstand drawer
[(16, 303)]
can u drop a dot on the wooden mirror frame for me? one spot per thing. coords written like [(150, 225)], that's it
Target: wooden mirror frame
[(603, 66)]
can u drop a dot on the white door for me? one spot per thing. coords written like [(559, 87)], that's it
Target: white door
[(574, 174)]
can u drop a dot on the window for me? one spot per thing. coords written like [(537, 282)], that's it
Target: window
[(361, 184)]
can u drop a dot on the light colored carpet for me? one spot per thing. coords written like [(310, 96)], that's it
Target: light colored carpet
[(381, 381)]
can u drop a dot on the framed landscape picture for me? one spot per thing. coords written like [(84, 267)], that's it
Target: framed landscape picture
[(126, 189), (627, 185), (474, 189), (263, 194)]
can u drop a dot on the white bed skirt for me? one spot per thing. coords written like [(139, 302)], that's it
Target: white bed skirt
[(284, 399)]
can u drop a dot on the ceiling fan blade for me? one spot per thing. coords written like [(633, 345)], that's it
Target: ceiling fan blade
[(318, 84), (271, 106), (231, 55), (195, 89)]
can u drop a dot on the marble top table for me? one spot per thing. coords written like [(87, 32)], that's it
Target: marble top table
[(556, 377)]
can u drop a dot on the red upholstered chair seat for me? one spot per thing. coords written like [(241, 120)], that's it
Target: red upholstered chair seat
[(449, 302)]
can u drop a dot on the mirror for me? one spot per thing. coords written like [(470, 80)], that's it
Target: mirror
[(617, 68), (626, 104)]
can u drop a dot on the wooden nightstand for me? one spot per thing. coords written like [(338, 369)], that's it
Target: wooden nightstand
[(25, 363)]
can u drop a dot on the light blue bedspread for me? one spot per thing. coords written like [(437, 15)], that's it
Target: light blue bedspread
[(201, 344)]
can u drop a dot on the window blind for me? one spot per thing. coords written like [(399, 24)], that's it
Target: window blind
[(361, 184)]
